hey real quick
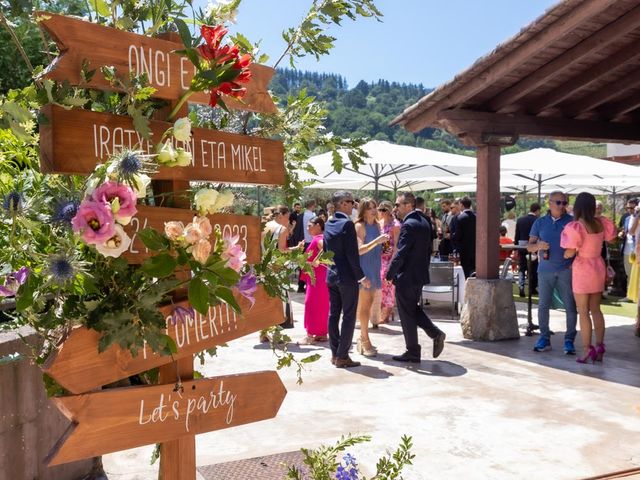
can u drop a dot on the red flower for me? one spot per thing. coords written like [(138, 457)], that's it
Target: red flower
[(226, 53), (242, 62), (212, 37)]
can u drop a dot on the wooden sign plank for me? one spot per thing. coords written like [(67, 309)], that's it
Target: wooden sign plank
[(123, 418), (247, 227), (74, 141), (79, 367), (170, 74)]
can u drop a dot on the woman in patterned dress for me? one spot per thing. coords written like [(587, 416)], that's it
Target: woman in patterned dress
[(390, 226)]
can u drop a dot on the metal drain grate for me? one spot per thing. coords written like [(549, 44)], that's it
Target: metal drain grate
[(270, 467)]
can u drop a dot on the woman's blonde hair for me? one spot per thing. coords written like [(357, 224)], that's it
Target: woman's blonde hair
[(365, 204)]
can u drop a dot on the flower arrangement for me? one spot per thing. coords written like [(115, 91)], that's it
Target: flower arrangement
[(65, 266), (221, 69)]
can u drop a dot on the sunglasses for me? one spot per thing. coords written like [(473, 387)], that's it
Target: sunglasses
[(349, 201), (629, 208), (561, 202), (383, 210)]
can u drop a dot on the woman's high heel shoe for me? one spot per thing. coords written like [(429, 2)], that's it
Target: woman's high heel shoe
[(589, 357), (600, 351), (365, 348)]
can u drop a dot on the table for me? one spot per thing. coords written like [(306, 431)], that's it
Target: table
[(530, 325)]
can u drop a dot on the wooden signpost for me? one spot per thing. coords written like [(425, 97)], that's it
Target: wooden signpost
[(129, 417), (217, 156), (73, 142), (170, 74), (79, 367), (246, 227)]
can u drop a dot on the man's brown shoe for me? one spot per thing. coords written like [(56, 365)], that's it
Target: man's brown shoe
[(333, 360), (346, 363)]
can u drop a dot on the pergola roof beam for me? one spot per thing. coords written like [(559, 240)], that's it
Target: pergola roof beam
[(592, 43), (416, 119)]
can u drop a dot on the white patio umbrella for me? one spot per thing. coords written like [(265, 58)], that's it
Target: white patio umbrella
[(547, 166), (390, 184), (391, 167)]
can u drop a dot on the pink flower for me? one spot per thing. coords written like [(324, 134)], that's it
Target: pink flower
[(233, 253), (173, 230), (94, 221), (199, 229), (201, 251), (120, 197)]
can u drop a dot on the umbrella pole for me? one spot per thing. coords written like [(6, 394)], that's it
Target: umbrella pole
[(613, 201), (539, 189)]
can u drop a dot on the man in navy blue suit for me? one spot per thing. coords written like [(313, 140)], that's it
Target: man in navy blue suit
[(409, 271), (343, 278)]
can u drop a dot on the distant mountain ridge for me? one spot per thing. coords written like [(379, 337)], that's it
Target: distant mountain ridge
[(367, 108)]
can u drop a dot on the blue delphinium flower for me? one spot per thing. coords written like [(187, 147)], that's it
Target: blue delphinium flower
[(130, 164), (64, 211), (12, 202), (61, 269), (350, 469)]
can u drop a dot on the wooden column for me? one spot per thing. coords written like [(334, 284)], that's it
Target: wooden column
[(487, 211)]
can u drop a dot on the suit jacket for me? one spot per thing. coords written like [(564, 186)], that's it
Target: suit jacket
[(340, 238), (523, 227), (410, 264), (464, 236)]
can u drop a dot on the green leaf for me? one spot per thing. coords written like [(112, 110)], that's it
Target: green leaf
[(185, 33), (199, 295), (161, 265), (226, 295), (153, 240)]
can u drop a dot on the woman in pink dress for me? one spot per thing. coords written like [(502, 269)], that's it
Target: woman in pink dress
[(583, 239), (316, 300), (391, 227)]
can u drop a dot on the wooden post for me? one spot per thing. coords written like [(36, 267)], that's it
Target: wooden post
[(178, 457), (487, 211)]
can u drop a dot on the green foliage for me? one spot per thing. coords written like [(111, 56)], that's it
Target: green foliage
[(322, 463), (309, 38)]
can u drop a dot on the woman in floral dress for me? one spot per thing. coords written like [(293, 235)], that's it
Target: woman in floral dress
[(390, 226)]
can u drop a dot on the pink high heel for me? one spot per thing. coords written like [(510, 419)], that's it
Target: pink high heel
[(600, 351), (590, 356)]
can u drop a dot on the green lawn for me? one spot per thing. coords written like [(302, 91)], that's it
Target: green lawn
[(610, 305)]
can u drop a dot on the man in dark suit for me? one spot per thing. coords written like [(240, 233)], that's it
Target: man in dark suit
[(464, 237), (343, 278), (409, 271), (523, 228)]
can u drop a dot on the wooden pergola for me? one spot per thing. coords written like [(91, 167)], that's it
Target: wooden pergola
[(574, 73)]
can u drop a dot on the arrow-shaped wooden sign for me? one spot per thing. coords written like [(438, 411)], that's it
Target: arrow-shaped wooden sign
[(170, 74), (74, 141), (79, 367), (246, 227), (123, 418)]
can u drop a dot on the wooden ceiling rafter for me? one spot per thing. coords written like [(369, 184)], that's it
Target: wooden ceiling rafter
[(599, 40), (584, 79)]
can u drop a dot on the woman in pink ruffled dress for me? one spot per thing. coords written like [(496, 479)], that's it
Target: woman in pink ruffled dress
[(316, 301), (583, 239), (391, 227)]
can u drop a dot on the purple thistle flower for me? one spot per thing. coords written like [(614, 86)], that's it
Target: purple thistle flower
[(13, 281), (130, 164), (64, 211), (247, 286), (12, 202), (61, 269), (182, 314)]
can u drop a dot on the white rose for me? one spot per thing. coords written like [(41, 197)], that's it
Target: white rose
[(183, 158), (182, 129), (166, 154), (205, 199), (142, 181), (116, 245), (225, 199)]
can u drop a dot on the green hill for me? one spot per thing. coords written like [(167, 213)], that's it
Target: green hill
[(366, 110)]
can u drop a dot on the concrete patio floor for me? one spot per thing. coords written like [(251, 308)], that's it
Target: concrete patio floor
[(482, 410)]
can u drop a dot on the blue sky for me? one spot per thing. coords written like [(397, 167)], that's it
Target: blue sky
[(418, 41)]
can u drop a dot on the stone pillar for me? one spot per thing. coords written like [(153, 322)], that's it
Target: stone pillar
[(489, 312)]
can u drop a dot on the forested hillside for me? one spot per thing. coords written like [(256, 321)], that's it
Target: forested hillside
[(367, 108)]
